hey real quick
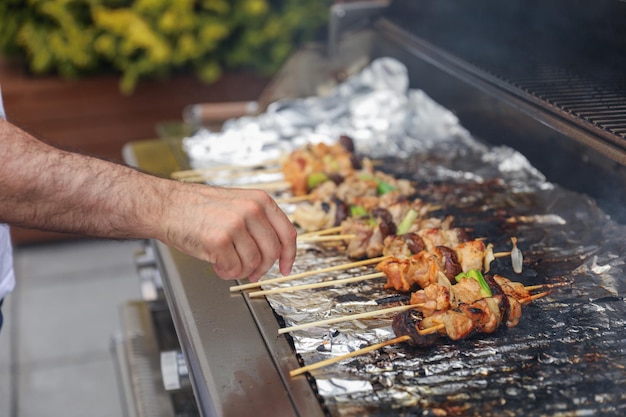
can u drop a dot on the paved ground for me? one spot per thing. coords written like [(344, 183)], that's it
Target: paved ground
[(55, 346)]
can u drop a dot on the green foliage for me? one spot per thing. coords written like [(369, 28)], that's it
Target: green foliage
[(155, 38)]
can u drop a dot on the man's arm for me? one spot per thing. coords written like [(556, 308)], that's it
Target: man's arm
[(242, 232)]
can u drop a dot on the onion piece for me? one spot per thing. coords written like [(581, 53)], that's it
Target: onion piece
[(516, 257), (407, 221), (489, 257)]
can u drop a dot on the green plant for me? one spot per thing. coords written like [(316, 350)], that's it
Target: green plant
[(155, 38)]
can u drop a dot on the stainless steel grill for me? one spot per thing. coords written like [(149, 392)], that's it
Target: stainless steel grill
[(515, 74)]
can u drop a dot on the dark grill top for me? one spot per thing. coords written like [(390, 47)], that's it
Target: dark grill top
[(566, 357), (569, 55)]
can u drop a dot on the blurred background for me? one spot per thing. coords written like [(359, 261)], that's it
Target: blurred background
[(92, 76)]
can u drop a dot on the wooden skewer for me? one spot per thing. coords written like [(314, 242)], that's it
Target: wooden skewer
[(431, 329), (539, 218), (293, 199), (533, 297), (322, 232), (349, 317), (197, 179), (540, 286), (501, 254), (533, 287), (308, 273), (318, 238), (200, 171), (227, 175), (267, 186), (357, 352), (317, 285)]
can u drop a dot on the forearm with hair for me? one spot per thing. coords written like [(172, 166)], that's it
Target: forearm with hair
[(47, 188)]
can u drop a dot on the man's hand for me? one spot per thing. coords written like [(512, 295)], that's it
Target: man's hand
[(241, 232)]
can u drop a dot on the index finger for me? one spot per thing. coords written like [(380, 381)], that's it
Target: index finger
[(286, 233)]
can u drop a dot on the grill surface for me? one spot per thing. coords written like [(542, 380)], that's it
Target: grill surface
[(566, 357)]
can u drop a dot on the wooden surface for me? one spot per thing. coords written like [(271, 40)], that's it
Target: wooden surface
[(91, 115)]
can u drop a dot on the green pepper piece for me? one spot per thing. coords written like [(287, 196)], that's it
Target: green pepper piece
[(315, 179), (384, 187), (475, 274), (484, 287), (358, 211)]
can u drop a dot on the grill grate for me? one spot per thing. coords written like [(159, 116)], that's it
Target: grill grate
[(599, 103)]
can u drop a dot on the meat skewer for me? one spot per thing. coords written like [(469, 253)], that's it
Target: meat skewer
[(412, 241), (303, 169), (365, 235), (322, 170), (338, 205), (420, 269), (484, 316), (404, 274), (481, 308), (436, 297), (312, 164), (296, 167), (458, 324), (398, 339)]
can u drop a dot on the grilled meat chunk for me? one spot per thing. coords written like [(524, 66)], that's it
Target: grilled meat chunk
[(403, 246)]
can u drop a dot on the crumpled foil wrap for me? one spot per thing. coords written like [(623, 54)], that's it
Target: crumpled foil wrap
[(375, 107), (567, 355)]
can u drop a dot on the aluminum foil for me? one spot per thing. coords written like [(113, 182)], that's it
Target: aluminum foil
[(374, 107), (568, 354)]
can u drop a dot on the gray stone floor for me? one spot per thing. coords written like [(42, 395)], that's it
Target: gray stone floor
[(55, 345)]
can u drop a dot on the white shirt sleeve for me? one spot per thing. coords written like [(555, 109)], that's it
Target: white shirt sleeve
[(1, 106), (7, 276)]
